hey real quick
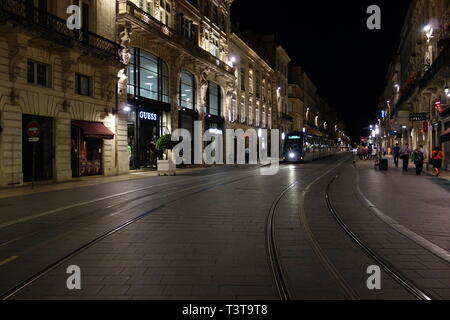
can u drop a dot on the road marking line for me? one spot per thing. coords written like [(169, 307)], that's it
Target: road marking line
[(8, 260), (421, 241)]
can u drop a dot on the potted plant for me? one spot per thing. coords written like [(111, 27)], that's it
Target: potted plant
[(165, 166)]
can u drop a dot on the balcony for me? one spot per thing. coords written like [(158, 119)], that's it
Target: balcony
[(441, 62), (127, 11), (55, 29)]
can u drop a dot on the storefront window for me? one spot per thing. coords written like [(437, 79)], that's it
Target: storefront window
[(213, 106), (150, 74), (187, 90)]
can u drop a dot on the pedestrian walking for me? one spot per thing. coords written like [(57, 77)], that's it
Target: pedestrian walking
[(396, 154), (418, 158), (370, 151), (366, 153), (360, 152), (436, 158), (405, 154)]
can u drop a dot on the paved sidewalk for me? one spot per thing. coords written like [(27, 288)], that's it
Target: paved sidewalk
[(420, 204)]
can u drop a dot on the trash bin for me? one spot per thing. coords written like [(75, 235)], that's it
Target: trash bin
[(384, 164)]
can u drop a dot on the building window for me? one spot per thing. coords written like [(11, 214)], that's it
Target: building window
[(187, 90), (213, 104), (258, 86), (264, 119), (243, 79), (83, 85), (250, 112), (215, 15), (38, 73), (186, 27), (166, 12), (269, 119), (234, 111), (243, 118), (147, 6), (291, 108), (250, 81), (264, 90), (257, 114), (148, 76), (214, 46)]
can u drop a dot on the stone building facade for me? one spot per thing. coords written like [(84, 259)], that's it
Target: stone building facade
[(62, 83), (255, 96), (179, 70), (418, 80), (296, 92), (310, 112), (94, 101)]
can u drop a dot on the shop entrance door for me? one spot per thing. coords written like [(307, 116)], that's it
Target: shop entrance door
[(148, 154), (44, 149)]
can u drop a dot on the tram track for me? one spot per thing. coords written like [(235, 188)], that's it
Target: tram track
[(275, 263), (40, 274), (382, 263)]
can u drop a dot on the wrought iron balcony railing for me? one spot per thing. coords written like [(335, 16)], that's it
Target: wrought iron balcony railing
[(441, 62), (55, 29), (153, 24)]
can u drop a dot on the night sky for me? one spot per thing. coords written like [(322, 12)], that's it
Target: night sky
[(330, 40)]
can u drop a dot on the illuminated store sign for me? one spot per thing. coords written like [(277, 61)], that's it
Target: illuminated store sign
[(148, 116)]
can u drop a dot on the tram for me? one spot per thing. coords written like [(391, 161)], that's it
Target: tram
[(299, 146)]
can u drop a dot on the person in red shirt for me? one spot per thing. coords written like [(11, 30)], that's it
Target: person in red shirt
[(436, 157)]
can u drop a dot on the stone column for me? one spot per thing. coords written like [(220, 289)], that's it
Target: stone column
[(63, 171), (11, 147)]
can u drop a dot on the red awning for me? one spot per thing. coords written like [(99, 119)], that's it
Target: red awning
[(94, 130), (445, 137)]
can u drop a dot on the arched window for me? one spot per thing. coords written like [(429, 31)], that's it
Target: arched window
[(214, 99), (187, 90), (148, 76)]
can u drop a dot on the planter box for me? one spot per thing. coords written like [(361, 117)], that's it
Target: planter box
[(166, 167)]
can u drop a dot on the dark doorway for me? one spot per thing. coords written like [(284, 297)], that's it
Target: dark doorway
[(43, 151)]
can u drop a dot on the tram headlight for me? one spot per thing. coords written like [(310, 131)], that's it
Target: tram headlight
[(291, 155)]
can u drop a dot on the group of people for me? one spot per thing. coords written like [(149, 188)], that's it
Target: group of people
[(366, 153), (417, 157)]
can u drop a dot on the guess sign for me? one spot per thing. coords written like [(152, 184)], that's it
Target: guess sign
[(148, 116)]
